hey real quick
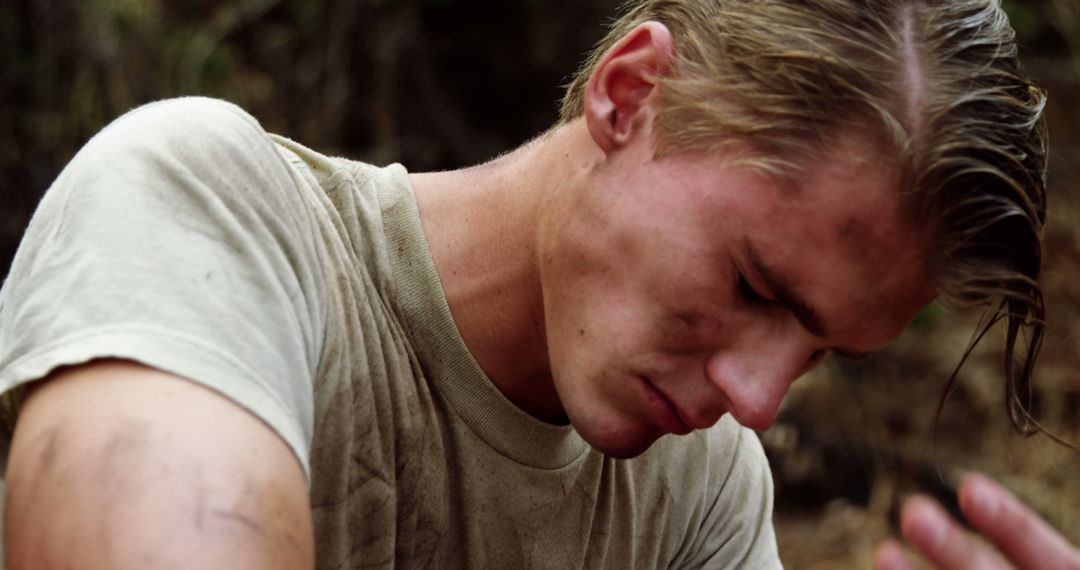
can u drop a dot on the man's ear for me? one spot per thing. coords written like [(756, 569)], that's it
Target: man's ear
[(620, 86)]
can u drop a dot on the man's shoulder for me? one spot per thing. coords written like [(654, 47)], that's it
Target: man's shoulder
[(720, 445), (715, 486), (704, 463)]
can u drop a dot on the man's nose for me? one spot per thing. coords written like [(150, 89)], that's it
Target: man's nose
[(755, 382)]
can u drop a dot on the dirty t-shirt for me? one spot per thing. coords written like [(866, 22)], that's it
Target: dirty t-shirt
[(301, 287)]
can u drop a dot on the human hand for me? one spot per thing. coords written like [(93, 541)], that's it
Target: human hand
[(1014, 535)]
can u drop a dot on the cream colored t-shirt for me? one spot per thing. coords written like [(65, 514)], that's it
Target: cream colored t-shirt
[(301, 287)]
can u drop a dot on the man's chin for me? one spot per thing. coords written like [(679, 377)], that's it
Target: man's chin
[(622, 446), (612, 432)]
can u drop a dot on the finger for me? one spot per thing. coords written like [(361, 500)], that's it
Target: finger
[(889, 556), (942, 540), (1025, 538)]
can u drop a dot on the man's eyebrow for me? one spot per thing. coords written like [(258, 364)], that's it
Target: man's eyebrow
[(780, 288)]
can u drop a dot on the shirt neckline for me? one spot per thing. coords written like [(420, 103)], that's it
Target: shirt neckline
[(419, 297)]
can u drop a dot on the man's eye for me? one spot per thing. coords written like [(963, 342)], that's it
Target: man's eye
[(745, 290)]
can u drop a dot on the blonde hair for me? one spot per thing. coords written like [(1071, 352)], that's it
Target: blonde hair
[(936, 82)]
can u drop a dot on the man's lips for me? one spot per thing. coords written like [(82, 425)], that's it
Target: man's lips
[(663, 411)]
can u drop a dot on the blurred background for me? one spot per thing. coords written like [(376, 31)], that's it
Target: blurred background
[(438, 84)]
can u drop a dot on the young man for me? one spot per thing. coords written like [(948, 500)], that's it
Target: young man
[(227, 350)]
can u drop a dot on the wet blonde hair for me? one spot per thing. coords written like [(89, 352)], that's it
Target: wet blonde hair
[(936, 83)]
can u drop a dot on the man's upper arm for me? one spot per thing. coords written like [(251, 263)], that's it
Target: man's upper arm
[(115, 465)]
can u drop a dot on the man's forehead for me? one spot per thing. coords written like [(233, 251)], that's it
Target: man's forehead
[(856, 274), (859, 236)]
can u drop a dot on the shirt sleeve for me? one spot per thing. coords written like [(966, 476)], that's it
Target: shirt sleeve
[(178, 237), (737, 531)]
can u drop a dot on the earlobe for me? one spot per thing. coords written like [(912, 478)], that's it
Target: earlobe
[(622, 87)]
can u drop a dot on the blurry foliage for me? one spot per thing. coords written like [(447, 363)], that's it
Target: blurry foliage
[(1025, 19), (432, 83), (1049, 28)]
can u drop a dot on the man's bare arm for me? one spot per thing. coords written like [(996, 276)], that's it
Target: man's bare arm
[(115, 465)]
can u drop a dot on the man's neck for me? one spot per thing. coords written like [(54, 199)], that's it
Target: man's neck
[(482, 225)]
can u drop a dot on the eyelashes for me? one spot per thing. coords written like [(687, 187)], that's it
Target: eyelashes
[(746, 291), (751, 296)]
